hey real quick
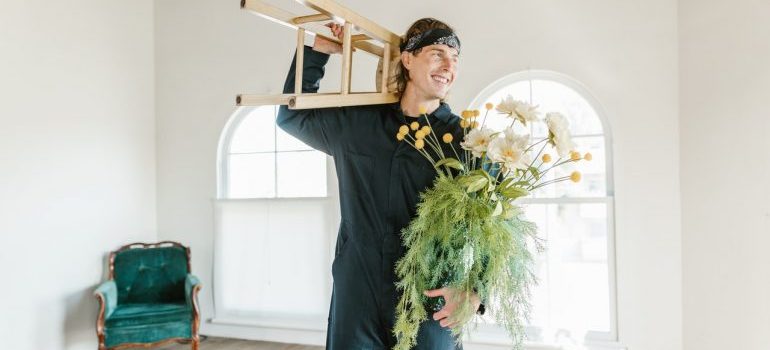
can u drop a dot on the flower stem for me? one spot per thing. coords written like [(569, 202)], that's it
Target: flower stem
[(560, 179), (559, 162), (422, 151), (535, 144), (485, 118), (528, 178), (454, 151), (433, 133)]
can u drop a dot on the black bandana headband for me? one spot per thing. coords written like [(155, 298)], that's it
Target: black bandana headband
[(436, 36)]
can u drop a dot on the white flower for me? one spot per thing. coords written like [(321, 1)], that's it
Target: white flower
[(507, 106), (510, 150), (520, 110), (557, 123), (477, 141), (527, 112), (511, 136), (559, 135)]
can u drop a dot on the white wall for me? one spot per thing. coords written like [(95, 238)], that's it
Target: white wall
[(625, 52), (77, 160), (725, 123)]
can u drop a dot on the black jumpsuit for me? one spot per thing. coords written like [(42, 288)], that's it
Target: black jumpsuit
[(380, 180)]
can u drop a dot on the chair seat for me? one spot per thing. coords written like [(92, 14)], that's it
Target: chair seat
[(148, 314)]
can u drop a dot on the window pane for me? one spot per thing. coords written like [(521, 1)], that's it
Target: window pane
[(286, 142), (301, 174), (251, 175), (594, 177), (573, 293), (553, 96), (255, 132), (257, 262), (550, 96)]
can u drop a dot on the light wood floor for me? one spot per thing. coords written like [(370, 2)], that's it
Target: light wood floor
[(212, 343)]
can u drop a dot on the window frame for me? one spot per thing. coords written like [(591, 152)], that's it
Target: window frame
[(249, 323), (592, 337)]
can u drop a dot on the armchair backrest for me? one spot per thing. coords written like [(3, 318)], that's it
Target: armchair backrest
[(150, 272)]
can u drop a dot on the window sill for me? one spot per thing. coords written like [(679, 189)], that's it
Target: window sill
[(268, 199)]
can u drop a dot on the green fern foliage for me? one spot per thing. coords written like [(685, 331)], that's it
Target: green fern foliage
[(457, 241)]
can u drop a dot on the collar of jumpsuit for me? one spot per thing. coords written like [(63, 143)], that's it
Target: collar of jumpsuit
[(442, 113)]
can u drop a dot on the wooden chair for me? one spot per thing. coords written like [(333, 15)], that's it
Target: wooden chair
[(369, 37)]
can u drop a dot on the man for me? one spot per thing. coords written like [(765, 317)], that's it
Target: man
[(380, 180)]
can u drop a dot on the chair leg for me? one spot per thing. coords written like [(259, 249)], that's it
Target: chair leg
[(195, 343)]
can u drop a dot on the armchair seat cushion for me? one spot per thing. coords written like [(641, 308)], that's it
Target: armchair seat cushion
[(146, 334), (148, 314)]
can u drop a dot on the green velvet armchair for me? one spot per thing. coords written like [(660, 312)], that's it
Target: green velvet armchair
[(150, 298)]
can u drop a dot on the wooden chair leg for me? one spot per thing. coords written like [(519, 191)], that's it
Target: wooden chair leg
[(195, 343)]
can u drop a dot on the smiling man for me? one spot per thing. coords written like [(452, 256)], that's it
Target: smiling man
[(380, 180)]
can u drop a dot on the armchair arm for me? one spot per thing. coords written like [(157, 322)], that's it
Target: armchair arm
[(191, 286), (107, 294)]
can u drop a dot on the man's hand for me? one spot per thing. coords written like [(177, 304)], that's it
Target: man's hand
[(453, 300), (326, 46)]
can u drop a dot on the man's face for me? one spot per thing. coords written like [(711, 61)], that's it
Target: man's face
[(433, 70)]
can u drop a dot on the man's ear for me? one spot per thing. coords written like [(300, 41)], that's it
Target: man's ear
[(406, 59)]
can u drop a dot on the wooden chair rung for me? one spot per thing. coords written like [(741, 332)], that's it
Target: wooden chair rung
[(300, 61), (317, 100), (305, 101), (319, 17), (347, 58)]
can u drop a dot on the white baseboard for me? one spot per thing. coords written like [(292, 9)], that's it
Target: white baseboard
[(243, 330), (313, 333)]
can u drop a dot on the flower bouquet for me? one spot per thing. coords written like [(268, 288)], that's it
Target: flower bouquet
[(469, 234)]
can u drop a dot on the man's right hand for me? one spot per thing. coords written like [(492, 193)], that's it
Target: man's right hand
[(327, 46)]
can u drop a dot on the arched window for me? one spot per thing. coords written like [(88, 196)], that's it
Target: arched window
[(575, 299), (272, 217), (259, 160)]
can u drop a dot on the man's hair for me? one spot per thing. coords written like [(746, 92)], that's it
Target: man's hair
[(401, 74)]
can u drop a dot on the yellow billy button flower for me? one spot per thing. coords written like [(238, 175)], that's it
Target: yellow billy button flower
[(414, 126), (425, 129), (489, 105), (419, 144), (403, 129), (588, 156), (400, 136), (575, 155), (575, 176), (476, 113), (422, 110), (447, 138), (419, 134), (464, 124), (546, 158)]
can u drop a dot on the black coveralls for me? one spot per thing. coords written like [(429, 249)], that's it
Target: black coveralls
[(380, 180)]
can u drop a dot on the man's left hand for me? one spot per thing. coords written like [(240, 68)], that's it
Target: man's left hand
[(453, 299)]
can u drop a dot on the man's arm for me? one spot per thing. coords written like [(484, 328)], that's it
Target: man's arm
[(328, 47), (312, 126)]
